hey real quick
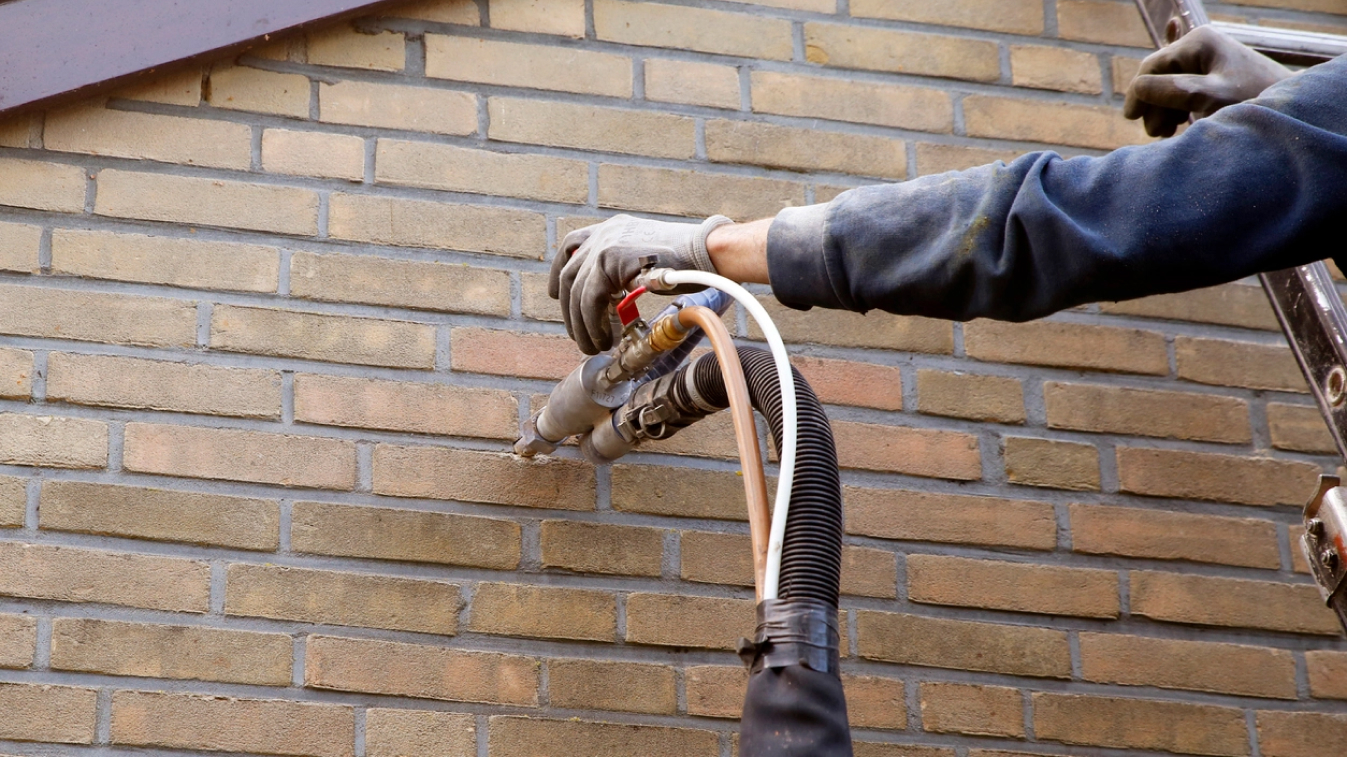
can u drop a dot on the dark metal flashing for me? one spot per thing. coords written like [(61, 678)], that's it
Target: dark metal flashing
[(55, 51)]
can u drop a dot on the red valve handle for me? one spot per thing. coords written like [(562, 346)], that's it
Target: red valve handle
[(627, 310)]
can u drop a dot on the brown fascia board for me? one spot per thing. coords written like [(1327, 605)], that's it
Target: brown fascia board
[(55, 51)]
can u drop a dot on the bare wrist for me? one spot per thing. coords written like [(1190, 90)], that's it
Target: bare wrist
[(739, 251)]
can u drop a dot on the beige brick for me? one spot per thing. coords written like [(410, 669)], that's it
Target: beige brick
[(612, 130), (937, 159), (46, 713), (158, 514), (405, 406), (716, 558), (683, 621), (1299, 427), (118, 382), (689, 28), (15, 132), (1142, 724), (804, 149), (611, 686), (715, 691), (919, 452), (483, 477), (961, 519), (143, 136), (328, 156), (1239, 305), (1328, 673), (868, 385), (209, 202), (322, 337), (44, 186), (74, 575), (430, 165), (712, 438), (212, 722), (1014, 16), (847, 46), (1095, 348), (502, 353), (972, 709), (240, 455), (1253, 365), (1218, 601), (548, 612), (1301, 733), (170, 652), (561, 17), (18, 640), (1294, 534), (981, 398), (906, 749), (184, 262), (692, 83), (19, 245), (251, 89), (1120, 410), (440, 11), (13, 501), (602, 548), (1055, 68), (16, 374), (421, 671), (1209, 476), (443, 226), (967, 645), (1101, 21), (682, 192), (1164, 535), (516, 64), (679, 492), (404, 535), (522, 735), (345, 46), (343, 599), (1050, 463), (1054, 123), (846, 329), (1124, 70), (900, 106), (397, 731), (875, 702), (868, 572), (53, 441), (179, 88), (419, 109), (1026, 588), (400, 283), (1180, 664)]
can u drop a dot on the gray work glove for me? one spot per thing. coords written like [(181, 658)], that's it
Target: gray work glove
[(1201, 73), (595, 265)]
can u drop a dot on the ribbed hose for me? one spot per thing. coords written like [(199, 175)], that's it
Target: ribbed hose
[(811, 560)]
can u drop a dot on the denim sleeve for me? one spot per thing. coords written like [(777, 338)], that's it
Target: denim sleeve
[(1259, 186)]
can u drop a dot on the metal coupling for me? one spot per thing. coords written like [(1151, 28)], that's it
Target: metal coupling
[(530, 442), (1325, 543)]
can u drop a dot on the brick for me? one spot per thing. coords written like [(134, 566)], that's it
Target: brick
[(19, 245), (208, 202), (679, 492), (322, 337), (482, 477), (586, 127), (44, 186), (53, 441), (211, 722), (328, 156), (183, 262), (981, 398), (1054, 123), (502, 353), (1055, 68), (1061, 345), (715, 691), (1281, 733), (547, 612), (899, 106), (170, 652), (251, 89), (1218, 601), (405, 406), (1294, 534), (516, 64), (118, 382), (442, 226), (421, 671), (561, 17), (1299, 427), (158, 514), (1239, 305), (74, 575), (868, 385), (418, 109), (440, 11), (18, 640), (1164, 535), (699, 29), (845, 329), (712, 438), (868, 572), (692, 83), (602, 548), (683, 621), (680, 192), (422, 285), (960, 519), (405, 535), (398, 731), (1142, 724), (13, 501), (522, 735), (901, 749), (342, 598), (611, 686), (1238, 364), (345, 46), (46, 713), (1051, 463), (15, 132), (967, 645), (430, 165), (716, 558), (143, 136), (239, 455), (1026, 588), (847, 46), (972, 709), (1014, 16), (1102, 22), (804, 149), (1209, 476), (937, 159), (182, 88), (1187, 665), (1327, 673), (1120, 410), (16, 374), (918, 452), (875, 702)]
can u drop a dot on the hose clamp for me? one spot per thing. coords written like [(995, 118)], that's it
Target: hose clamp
[(793, 632)]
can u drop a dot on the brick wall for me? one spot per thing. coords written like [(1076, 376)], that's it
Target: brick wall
[(268, 331)]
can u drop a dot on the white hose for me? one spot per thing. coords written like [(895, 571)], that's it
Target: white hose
[(789, 420)]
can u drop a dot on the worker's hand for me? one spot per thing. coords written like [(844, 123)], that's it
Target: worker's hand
[(595, 264), (1200, 74)]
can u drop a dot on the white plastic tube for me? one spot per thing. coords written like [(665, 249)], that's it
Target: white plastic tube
[(789, 419)]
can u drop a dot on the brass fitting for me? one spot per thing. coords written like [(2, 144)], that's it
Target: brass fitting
[(667, 333)]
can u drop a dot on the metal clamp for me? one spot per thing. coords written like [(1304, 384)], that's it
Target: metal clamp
[(1325, 543)]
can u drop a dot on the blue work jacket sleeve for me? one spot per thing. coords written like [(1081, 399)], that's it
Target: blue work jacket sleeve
[(1257, 187)]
